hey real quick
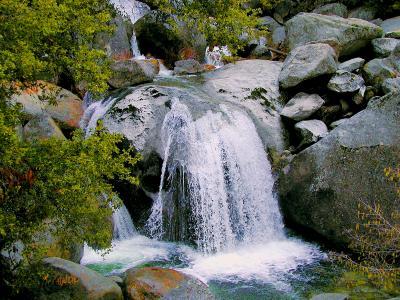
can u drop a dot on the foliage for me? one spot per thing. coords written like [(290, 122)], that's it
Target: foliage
[(57, 187), (376, 240), (222, 22), (42, 39)]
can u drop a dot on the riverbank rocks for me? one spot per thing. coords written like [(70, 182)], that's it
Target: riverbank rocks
[(252, 85), (377, 70), (392, 27), (352, 64), (42, 128), (188, 66), (158, 283), (310, 131), (332, 9), (307, 62), (355, 153), (130, 72), (383, 47), (351, 35), (345, 82), (67, 280), (302, 106)]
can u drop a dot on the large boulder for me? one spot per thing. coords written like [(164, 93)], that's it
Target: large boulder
[(377, 70), (158, 283), (350, 34), (392, 27), (188, 66), (391, 85), (307, 62), (352, 64), (321, 188), (48, 99), (252, 85), (67, 280), (345, 82), (42, 128), (332, 9), (367, 13), (383, 47), (302, 106), (130, 72)]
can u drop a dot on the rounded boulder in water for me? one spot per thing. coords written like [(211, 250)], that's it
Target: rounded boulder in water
[(159, 283)]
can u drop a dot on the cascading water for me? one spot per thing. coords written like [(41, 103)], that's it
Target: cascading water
[(133, 10), (223, 179), (123, 225)]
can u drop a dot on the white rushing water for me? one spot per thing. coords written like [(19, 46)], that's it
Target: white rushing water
[(133, 10), (123, 225)]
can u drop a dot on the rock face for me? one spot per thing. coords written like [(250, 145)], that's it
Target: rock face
[(364, 12), (41, 128), (352, 64), (49, 99), (383, 47), (391, 85), (377, 70), (310, 131), (188, 66), (350, 34), (302, 106), (127, 73), (158, 283), (345, 82), (307, 62), (392, 27), (332, 9), (67, 280), (355, 153)]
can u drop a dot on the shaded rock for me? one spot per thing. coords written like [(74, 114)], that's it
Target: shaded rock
[(367, 13), (377, 70), (118, 280), (302, 106), (352, 64), (355, 153), (331, 296), (253, 85), (383, 47), (68, 280), (42, 128), (310, 131), (391, 27), (307, 62), (337, 123), (337, 9), (261, 51), (345, 82), (49, 99), (330, 113), (188, 66), (127, 73), (278, 33), (158, 283), (350, 34), (358, 98), (391, 85)]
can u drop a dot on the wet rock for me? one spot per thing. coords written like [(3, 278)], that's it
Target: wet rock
[(391, 27), (355, 153), (42, 128), (345, 82), (158, 283), (331, 296), (391, 85), (336, 9), (378, 70), (350, 34), (302, 106), (188, 66), (367, 13), (310, 131), (49, 99), (383, 47), (127, 73), (307, 62), (352, 64), (68, 280)]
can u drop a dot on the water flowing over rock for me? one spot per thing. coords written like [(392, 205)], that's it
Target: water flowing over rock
[(221, 184), (323, 185), (123, 225), (350, 34)]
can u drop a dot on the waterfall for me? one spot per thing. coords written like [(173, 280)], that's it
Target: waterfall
[(123, 225), (220, 182), (94, 113), (133, 10)]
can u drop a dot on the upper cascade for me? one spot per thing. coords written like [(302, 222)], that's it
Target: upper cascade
[(220, 182)]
